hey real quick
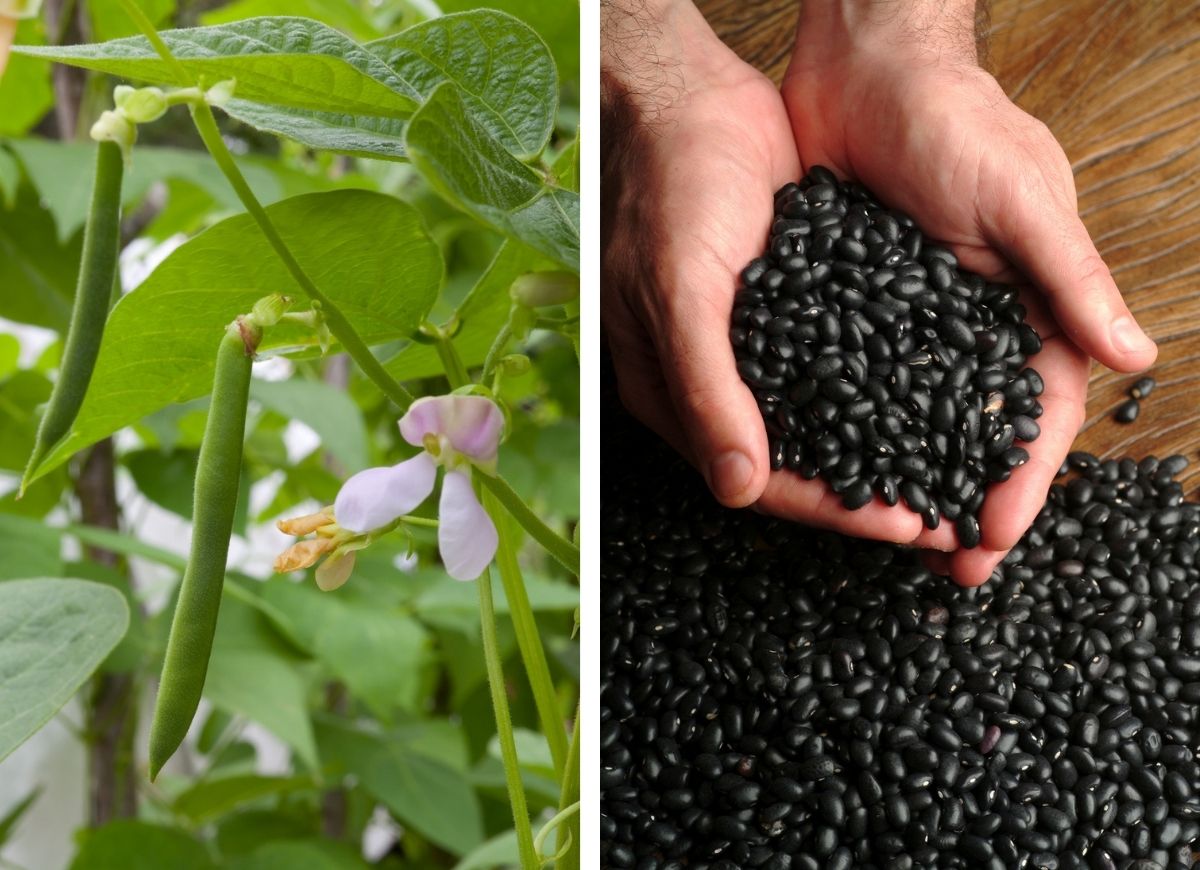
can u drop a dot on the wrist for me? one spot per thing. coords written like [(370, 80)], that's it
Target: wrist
[(891, 32), (653, 54)]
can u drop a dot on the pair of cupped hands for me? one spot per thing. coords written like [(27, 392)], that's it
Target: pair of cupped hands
[(696, 142)]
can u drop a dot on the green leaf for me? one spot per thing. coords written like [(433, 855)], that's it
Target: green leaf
[(471, 168), (566, 165), (310, 854), (20, 394), (360, 135), (293, 62), (556, 20), (130, 845), (482, 314), (53, 635), (421, 792), (210, 798), (245, 832), (456, 605), (37, 271), (500, 851), (369, 252), (346, 17), (25, 90), (30, 548), (503, 69), (254, 673), (8, 823), (380, 656), (330, 412), (10, 178)]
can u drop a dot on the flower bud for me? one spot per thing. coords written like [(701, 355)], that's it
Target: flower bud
[(539, 289), (140, 105), (115, 127), (515, 364), (268, 310), (303, 553), (306, 524), (220, 93)]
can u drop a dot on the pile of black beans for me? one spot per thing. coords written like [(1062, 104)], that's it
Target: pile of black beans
[(877, 363), (779, 697)]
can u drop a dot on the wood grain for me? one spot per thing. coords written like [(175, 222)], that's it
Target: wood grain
[(1118, 81)]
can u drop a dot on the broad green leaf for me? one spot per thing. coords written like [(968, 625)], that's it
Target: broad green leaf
[(360, 134), (254, 673), (110, 21), (210, 798), (10, 178), (30, 549), (10, 820), (556, 20), (421, 792), (245, 832), (471, 168), (456, 605), (330, 412), (309, 854), (10, 352), (37, 271), (25, 91), (53, 635), (346, 17), (368, 252), (380, 656), (533, 752), (482, 314), (132, 845), (293, 62), (500, 851), (503, 69)]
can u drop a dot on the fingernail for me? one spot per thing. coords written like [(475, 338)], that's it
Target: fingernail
[(1128, 336), (729, 474)]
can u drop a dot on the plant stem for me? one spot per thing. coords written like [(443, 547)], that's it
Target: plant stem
[(504, 728), (341, 328), (206, 126), (553, 543), (570, 796), (497, 348), (529, 641), (456, 371)]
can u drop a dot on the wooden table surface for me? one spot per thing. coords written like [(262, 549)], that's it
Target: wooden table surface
[(1119, 84)]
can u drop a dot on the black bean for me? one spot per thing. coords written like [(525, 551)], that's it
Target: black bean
[(1127, 411), (1143, 387)]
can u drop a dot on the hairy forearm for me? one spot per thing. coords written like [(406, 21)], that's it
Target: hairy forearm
[(942, 31)]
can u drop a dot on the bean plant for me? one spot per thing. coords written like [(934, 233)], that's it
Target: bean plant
[(303, 291)]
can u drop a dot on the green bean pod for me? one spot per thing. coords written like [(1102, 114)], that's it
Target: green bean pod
[(215, 498), (93, 296)]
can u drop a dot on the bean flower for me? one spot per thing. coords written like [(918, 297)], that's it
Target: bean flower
[(459, 433)]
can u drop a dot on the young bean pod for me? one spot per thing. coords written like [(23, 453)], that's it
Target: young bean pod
[(215, 498), (93, 295)]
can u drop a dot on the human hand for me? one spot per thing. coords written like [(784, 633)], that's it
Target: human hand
[(892, 97), (695, 144)]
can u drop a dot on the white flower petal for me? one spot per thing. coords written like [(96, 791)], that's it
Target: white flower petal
[(466, 535), (375, 497), (471, 423)]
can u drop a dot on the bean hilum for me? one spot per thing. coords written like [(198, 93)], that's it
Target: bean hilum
[(779, 697), (862, 340)]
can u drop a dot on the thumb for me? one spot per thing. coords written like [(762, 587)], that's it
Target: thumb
[(717, 412), (1052, 246)]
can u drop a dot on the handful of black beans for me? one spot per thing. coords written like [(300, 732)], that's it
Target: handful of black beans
[(877, 363), (780, 697)]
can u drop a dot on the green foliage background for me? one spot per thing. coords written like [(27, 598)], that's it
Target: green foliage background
[(415, 178)]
